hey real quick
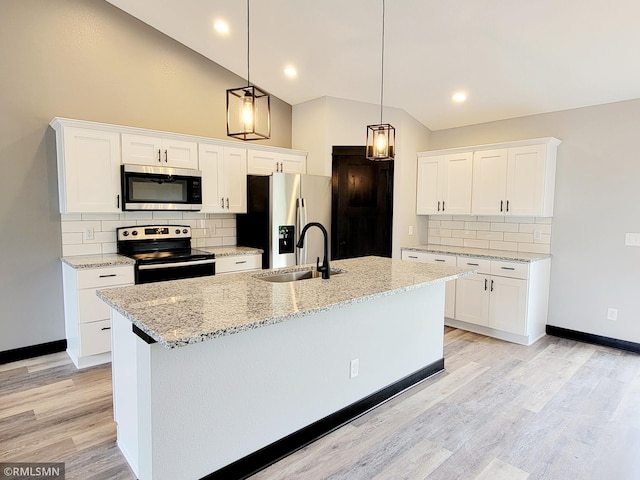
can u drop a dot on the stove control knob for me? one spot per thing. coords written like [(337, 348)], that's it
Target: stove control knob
[(125, 233), (177, 231), (184, 231), (134, 233)]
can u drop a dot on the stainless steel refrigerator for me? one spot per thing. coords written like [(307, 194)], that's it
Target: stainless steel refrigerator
[(278, 207)]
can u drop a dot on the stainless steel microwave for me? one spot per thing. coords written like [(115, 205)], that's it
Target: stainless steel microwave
[(160, 188)]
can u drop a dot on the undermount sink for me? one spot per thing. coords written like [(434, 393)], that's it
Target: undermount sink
[(283, 277)]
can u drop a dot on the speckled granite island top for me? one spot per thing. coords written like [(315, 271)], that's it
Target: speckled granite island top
[(480, 252), (181, 312), (97, 261)]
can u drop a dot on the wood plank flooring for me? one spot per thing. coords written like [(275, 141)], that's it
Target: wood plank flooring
[(556, 410)]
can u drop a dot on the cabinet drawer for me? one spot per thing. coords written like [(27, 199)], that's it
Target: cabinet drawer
[(413, 256), (440, 259), (105, 277), (510, 269), (95, 337), (482, 265), (238, 263)]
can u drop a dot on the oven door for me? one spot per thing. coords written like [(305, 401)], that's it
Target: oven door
[(158, 272), (160, 188)]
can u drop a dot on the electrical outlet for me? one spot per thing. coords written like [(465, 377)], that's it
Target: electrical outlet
[(410, 229), (355, 366), (89, 233), (632, 239), (537, 235), (612, 314)]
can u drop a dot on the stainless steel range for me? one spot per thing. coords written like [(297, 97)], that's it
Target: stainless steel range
[(163, 252)]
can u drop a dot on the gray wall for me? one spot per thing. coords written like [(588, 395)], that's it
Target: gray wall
[(597, 201), (82, 59)]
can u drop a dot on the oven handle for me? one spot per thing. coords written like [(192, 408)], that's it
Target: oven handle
[(157, 266)]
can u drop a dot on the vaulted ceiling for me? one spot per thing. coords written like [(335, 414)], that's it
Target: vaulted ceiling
[(511, 57)]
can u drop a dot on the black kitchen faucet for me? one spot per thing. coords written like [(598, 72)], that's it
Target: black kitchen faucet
[(324, 268)]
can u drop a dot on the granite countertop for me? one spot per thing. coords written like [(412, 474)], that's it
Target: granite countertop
[(231, 251), (97, 261), (113, 259), (181, 312), (480, 252)]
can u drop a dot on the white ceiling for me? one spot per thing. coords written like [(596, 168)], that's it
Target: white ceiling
[(512, 57)]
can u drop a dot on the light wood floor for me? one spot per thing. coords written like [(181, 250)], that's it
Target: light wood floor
[(556, 410)]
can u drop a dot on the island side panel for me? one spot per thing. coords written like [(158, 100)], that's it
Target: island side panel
[(211, 403)]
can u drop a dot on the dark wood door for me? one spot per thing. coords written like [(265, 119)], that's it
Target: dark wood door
[(362, 205)]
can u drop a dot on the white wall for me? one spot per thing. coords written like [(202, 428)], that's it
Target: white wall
[(321, 124), (597, 201)]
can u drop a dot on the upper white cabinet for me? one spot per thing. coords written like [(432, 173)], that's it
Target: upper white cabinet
[(159, 151), (88, 169), (514, 181), (513, 178), (224, 178), (444, 184), (262, 162)]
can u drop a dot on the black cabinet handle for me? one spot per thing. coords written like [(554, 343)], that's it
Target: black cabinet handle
[(507, 268), (411, 256), (501, 204), (485, 284), (474, 264), (438, 260), (243, 261), (107, 276), (105, 328), (443, 205), (492, 285), (507, 205), (166, 157), (438, 205), (159, 157), (117, 201)]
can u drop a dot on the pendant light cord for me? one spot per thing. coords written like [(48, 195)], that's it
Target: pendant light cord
[(248, 81), (382, 68)]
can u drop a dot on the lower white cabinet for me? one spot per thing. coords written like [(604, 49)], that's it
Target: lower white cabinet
[(238, 263), (87, 318), (450, 287), (504, 299)]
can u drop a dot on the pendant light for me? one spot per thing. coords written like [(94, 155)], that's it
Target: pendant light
[(248, 108), (381, 138)]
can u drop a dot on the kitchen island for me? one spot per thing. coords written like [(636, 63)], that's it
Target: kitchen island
[(224, 375)]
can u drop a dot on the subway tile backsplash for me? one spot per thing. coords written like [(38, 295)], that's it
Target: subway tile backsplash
[(516, 234), (207, 230)]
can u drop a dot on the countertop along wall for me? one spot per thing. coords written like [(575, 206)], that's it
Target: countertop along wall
[(88, 60), (597, 201)]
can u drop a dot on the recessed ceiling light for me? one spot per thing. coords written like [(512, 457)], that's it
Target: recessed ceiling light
[(459, 97), (221, 26), (290, 72)]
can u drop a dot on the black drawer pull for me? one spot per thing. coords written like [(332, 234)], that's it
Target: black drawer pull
[(243, 261), (107, 276), (439, 260), (411, 256), (485, 284), (507, 268), (492, 285), (474, 264), (105, 328)]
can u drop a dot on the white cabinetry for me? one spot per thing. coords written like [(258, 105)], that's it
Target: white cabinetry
[(507, 300), (88, 169), (224, 178), (444, 184), (159, 151), (238, 263), (438, 259), (262, 162), (87, 321), (511, 178), (518, 180)]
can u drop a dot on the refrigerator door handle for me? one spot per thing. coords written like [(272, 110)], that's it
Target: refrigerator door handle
[(303, 217), (298, 230)]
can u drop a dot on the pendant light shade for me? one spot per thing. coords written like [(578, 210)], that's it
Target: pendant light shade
[(381, 138), (248, 108)]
